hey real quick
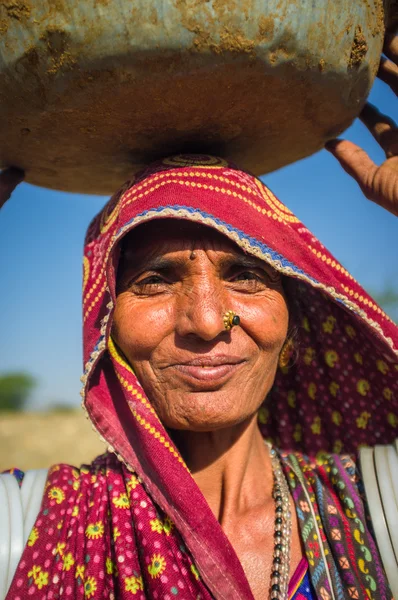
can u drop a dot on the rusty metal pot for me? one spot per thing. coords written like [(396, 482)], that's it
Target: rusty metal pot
[(92, 90)]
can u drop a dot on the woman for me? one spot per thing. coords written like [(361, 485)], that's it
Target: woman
[(203, 296)]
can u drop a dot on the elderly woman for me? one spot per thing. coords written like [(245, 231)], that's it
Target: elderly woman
[(215, 326)]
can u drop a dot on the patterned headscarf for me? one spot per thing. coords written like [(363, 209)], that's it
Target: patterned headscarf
[(136, 524)]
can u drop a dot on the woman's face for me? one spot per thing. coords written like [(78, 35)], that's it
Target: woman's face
[(176, 280)]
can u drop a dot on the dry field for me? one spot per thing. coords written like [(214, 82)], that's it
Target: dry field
[(37, 440)]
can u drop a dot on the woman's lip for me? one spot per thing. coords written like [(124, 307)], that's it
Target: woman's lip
[(211, 361), (210, 374)]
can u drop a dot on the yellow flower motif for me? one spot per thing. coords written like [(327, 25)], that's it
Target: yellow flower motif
[(34, 572), (358, 358), (132, 483), (116, 534), (90, 587), (121, 501), (168, 525), (156, 525), (195, 572), (331, 358), (75, 473), (56, 494), (263, 415), (75, 511), (157, 566), (59, 524), (297, 433), (337, 418), (76, 485), (363, 387), (309, 355), (80, 572), (312, 391), (291, 398), (93, 478), (328, 325), (334, 388), (42, 580), (350, 331), (316, 426), (362, 421), (387, 393), (59, 549), (95, 530), (134, 584), (33, 536), (382, 367), (306, 324), (393, 420), (110, 567), (68, 562)]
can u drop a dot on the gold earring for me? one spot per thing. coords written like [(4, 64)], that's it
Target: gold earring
[(230, 319), (286, 353)]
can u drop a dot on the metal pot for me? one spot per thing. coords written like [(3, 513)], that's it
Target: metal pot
[(92, 90)]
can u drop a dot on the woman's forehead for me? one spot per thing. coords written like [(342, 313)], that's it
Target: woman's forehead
[(163, 236)]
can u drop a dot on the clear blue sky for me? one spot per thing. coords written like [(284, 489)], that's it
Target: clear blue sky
[(41, 242)]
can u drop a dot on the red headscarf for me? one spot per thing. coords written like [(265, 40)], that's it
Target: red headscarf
[(337, 389)]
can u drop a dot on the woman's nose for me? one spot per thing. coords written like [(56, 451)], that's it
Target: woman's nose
[(200, 311)]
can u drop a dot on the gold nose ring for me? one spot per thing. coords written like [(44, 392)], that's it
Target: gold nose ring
[(230, 319)]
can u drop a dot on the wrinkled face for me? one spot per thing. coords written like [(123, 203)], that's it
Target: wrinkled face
[(176, 280)]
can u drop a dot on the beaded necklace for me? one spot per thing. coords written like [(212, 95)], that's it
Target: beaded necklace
[(282, 532)]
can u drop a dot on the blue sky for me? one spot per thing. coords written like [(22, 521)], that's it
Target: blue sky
[(42, 233)]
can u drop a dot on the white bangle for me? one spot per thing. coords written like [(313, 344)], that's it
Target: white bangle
[(16, 525), (387, 497), (5, 538)]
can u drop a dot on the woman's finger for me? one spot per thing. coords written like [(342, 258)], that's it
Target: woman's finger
[(382, 127), (9, 179), (354, 161), (390, 48), (388, 72)]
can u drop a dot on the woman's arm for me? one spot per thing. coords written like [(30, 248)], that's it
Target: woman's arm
[(378, 183), (9, 179)]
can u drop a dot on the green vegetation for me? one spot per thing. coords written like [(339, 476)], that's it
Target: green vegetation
[(15, 389)]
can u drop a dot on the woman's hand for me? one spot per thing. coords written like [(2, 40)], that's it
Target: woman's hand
[(379, 184), (9, 179)]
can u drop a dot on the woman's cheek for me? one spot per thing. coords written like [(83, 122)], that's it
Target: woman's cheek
[(140, 326), (266, 321)]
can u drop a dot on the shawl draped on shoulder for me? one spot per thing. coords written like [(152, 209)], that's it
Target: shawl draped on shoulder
[(134, 523)]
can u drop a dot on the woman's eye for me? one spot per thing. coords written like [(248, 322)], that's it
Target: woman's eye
[(148, 285), (247, 275)]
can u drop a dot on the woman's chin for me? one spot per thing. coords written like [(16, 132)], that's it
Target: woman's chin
[(204, 412)]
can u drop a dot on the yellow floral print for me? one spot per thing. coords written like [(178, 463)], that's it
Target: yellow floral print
[(157, 566), (132, 483), (291, 398), (306, 324), (168, 525), (309, 356), (350, 331), (80, 572), (134, 584), (363, 419), (316, 426), (33, 536), (363, 387), (76, 485), (393, 420), (95, 530), (338, 447), (263, 415), (110, 567), (68, 562), (382, 367), (387, 393), (328, 325), (358, 358), (331, 358), (156, 525), (337, 418), (39, 577), (195, 572), (56, 494), (90, 587), (297, 432), (75, 511), (312, 391), (121, 501), (116, 534), (59, 549), (334, 388)]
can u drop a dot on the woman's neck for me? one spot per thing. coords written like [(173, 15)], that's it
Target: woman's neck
[(231, 466)]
